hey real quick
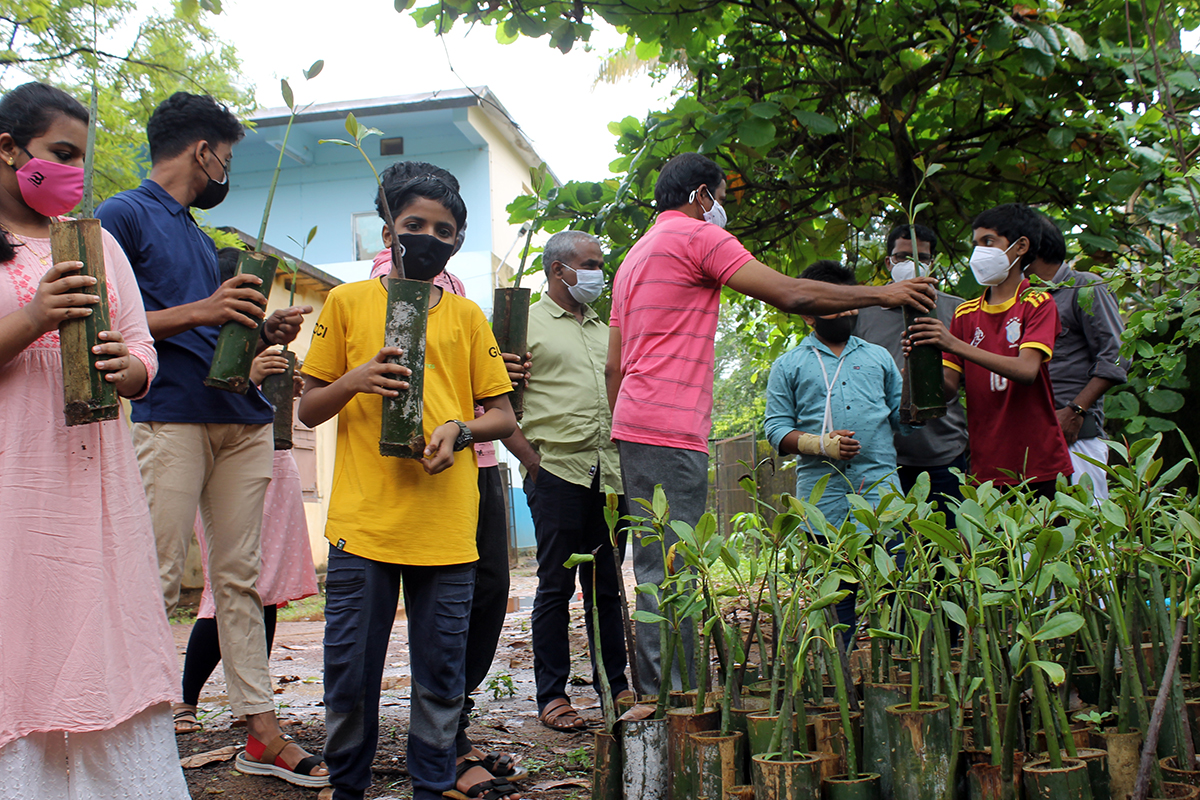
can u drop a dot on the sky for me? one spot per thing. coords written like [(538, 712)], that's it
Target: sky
[(371, 51)]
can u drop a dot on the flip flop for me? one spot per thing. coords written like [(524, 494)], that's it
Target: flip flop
[(494, 789), (185, 719), (502, 765)]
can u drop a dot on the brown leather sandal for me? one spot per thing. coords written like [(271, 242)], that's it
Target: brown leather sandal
[(558, 715)]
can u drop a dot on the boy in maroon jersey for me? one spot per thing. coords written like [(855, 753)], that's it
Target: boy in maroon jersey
[(997, 347)]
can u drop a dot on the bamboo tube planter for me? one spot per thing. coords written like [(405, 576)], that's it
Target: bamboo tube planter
[(87, 397), (402, 434), (278, 389), (923, 398), (237, 344), (510, 326)]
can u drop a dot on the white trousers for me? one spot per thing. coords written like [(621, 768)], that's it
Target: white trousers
[(1092, 448), (137, 760)]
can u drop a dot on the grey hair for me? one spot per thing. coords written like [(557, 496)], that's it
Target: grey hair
[(564, 246)]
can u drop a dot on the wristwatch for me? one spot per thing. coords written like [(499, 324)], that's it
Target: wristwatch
[(465, 437), (1078, 409)]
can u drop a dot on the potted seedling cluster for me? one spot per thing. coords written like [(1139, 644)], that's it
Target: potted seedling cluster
[(1036, 648)]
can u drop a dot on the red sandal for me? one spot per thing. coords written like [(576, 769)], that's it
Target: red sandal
[(265, 759)]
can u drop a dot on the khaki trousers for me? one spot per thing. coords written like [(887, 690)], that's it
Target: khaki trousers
[(223, 469)]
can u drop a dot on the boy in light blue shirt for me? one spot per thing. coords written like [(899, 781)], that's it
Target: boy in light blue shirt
[(834, 402)]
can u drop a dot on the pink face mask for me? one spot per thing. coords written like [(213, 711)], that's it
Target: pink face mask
[(50, 188)]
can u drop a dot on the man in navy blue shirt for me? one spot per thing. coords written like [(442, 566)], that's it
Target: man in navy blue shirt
[(199, 447)]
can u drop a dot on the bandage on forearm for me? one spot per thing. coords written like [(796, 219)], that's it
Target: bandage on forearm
[(810, 445)]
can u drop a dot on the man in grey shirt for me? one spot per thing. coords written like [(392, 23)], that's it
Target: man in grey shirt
[(1087, 361), (941, 445)]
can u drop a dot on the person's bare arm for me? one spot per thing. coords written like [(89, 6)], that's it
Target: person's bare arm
[(496, 422), (321, 401), (234, 300), (951, 381), (1022, 368), (815, 298), (520, 447), (612, 367), (1092, 391)]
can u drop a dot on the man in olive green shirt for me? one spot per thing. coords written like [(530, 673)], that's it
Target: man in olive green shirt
[(563, 444)]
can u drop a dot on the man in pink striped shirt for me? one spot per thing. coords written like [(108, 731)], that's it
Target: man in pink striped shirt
[(663, 327)]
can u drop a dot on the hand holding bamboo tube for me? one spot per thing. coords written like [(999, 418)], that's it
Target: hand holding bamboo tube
[(126, 372)]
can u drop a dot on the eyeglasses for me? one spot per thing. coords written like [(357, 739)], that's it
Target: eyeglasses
[(924, 258)]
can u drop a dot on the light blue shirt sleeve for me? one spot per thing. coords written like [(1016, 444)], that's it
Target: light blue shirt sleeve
[(781, 402)]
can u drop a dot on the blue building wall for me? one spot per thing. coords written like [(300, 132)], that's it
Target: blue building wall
[(336, 184)]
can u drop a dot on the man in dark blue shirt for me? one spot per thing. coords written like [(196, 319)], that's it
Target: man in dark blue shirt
[(199, 447)]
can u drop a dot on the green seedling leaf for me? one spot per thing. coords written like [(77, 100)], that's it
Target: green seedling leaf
[(1054, 672), (880, 633), (342, 142), (659, 504), (828, 600), (352, 125), (286, 90), (1059, 627), (578, 558), (314, 70), (921, 618), (647, 617), (954, 611), (312, 234)]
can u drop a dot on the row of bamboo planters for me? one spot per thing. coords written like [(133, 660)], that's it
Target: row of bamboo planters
[(1032, 649), (906, 754)]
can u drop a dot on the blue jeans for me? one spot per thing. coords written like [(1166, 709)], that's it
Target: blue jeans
[(360, 607)]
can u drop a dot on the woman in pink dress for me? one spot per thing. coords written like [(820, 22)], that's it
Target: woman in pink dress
[(285, 574), (88, 667)]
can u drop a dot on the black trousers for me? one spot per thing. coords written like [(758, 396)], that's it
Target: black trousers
[(490, 603), (568, 519)]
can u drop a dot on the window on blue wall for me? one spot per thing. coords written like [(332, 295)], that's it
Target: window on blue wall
[(367, 242)]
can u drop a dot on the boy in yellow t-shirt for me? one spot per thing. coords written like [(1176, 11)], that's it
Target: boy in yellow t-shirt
[(392, 519)]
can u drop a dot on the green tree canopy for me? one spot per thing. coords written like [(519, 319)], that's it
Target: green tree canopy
[(141, 58)]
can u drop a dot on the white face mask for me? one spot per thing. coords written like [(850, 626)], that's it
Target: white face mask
[(589, 283), (990, 265), (716, 215), (904, 270)]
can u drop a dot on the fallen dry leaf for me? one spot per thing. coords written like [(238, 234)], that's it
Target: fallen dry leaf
[(212, 756), (637, 713), (569, 783)]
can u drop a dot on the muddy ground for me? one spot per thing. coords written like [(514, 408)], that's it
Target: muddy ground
[(559, 763)]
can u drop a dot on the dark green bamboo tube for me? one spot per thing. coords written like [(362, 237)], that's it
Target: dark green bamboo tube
[(717, 763), (402, 434), (278, 391), (1069, 782), (87, 397), (923, 393), (680, 723), (841, 787), (1173, 774), (775, 779), (606, 771), (1178, 791), (1097, 764), (510, 326), (831, 738), (237, 345), (921, 750), (877, 744)]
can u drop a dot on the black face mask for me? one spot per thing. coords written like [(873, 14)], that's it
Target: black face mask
[(213, 193), (424, 255), (837, 330)]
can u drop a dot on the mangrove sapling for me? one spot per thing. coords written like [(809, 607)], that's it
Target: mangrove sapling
[(606, 695), (510, 304), (1141, 786), (237, 345), (278, 387), (923, 396), (612, 518), (88, 395), (402, 431)]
